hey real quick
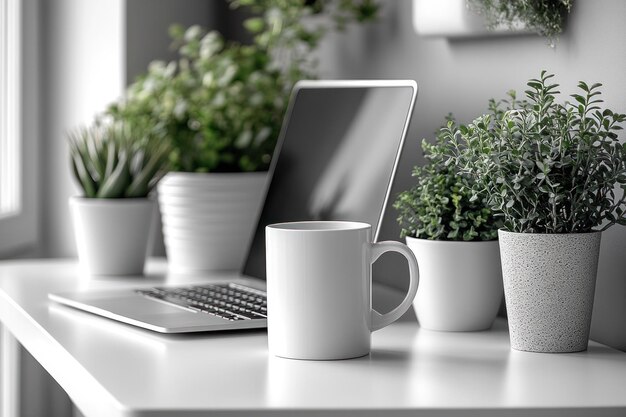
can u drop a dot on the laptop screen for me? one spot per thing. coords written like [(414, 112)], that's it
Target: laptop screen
[(336, 156)]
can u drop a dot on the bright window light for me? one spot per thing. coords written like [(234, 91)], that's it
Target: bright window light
[(10, 106)]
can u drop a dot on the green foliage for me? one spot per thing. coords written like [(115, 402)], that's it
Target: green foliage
[(547, 167), (115, 161), (220, 106), (222, 103), (545, 17), (440, 205)]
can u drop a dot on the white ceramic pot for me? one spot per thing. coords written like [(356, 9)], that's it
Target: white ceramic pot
[(208, 219), (113, 236), (549, 285), (460, 284)]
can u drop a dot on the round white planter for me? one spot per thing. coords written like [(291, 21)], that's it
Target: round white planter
[(549, 285), (208, 218), (460, 284), (113, 235)]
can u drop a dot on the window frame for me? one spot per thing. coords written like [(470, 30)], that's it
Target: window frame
[(19, 229)]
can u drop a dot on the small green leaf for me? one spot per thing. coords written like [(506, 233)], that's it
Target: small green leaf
[(114, 186), (254, 24)]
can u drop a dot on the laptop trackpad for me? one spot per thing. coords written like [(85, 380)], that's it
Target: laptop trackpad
[(157, 315), (138, 306)]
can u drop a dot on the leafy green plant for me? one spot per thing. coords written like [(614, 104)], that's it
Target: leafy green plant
[(440, 205), (547, 167), (222, 103), (220, 106), (545, 17), (115, 161)]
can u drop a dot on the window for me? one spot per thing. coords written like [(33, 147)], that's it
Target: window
[(10, 105), (18, 225)]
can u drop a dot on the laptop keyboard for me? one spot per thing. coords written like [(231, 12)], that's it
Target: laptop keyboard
[(230, 301)]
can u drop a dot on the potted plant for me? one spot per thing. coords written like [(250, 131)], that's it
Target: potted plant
[(221, 107), (117, 168), (221, 104), (557, 173), (453, 237)]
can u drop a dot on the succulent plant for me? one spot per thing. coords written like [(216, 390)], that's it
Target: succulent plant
[(115, 161)]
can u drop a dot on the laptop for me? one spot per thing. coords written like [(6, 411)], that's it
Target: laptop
[(335, 159)]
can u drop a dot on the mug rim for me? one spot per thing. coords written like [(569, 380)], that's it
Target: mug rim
[(319, 226)]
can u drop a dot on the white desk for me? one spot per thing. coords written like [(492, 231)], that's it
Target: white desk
[(110, 369)]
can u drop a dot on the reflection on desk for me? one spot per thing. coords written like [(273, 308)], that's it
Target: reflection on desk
[(112, 369)]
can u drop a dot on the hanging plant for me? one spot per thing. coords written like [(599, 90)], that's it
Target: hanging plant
[(545, 17)]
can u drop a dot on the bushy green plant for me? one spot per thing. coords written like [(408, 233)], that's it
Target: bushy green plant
[(547, 167), (222, 103), (440, 205), (115, 161), (545, 17)]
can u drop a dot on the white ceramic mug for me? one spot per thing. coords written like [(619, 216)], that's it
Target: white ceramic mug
[(319, 298)]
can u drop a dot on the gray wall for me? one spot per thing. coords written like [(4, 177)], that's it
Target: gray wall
[(147, 23), (459, 76)]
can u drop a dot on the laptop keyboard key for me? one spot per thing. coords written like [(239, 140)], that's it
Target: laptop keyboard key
[(231, 302)]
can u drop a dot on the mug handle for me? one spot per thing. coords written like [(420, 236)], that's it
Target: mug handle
[(382, 320)]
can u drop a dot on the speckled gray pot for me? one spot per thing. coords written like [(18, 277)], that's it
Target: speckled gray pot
[(549, 285)]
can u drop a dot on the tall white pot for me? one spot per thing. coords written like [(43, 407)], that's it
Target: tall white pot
[(208, 218), (113, 236), (549, 285), (460, 284)]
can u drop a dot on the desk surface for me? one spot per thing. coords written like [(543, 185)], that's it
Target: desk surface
[(111, 369)]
